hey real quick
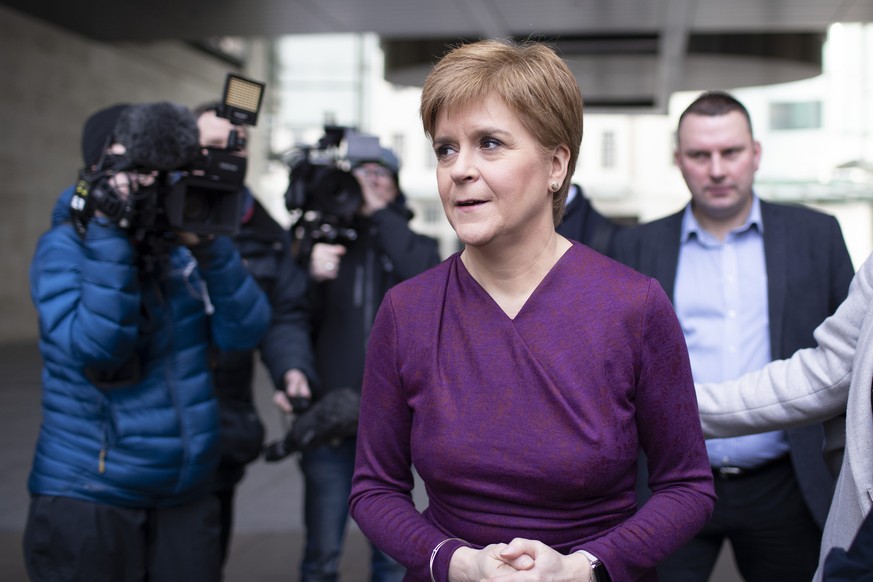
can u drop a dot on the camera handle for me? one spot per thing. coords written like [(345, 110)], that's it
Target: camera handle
[(95, 194)]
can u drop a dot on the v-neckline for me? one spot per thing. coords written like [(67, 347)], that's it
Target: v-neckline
[(533, 294)]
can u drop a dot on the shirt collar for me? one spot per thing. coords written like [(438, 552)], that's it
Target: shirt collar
[(690, 226), (571, 194)]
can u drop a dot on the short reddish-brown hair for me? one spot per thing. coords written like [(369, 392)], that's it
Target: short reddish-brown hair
[(529, 77)]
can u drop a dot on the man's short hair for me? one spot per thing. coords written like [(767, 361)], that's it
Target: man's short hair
[(712, 104)]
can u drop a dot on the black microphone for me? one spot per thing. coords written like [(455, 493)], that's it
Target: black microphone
[(158, 136), (332, 418)]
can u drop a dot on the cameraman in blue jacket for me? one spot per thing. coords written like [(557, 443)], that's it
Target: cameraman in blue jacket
[(129, 438)]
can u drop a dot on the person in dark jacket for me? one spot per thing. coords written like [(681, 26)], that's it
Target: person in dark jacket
[(286, 350), (856, 563), (129, 438), (349, 282), (583, 223)]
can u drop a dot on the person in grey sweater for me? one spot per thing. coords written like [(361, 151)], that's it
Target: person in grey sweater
[(828, 383)]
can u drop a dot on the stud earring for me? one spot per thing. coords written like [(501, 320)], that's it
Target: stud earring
[(555, 186)]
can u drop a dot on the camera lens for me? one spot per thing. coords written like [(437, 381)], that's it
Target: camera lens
[(196, 208)]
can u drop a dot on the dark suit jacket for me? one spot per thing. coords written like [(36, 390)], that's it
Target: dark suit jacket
[(808, 276)]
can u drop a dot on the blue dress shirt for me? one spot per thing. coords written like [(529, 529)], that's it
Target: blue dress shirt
[(721, 301)]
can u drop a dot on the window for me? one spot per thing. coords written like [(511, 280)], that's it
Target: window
[(398, 144), (796, 115), (433, 213), (607, 149), (430, 159)]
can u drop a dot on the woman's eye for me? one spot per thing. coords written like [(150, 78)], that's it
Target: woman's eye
[(489, 143), (443, 150)]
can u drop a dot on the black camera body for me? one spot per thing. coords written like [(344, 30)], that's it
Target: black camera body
[(207, 197), (322, 189), (188, 187)]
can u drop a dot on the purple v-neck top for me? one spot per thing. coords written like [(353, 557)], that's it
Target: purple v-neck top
[(530, 427)]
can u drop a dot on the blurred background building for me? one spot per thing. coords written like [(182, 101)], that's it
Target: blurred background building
[(816, 133), (802, 66)]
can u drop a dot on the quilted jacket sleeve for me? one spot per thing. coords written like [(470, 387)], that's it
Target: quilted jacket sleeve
[(242, 311), (287, 344), (87, 293)]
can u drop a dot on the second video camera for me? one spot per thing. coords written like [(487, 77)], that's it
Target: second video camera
[(322, 189)]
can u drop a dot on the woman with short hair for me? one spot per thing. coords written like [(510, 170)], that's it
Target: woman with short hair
[(522, 376)]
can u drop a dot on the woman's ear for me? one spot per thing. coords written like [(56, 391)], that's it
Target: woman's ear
[(560, 161)]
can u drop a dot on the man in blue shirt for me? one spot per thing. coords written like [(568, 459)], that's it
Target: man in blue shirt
[(750, 281)]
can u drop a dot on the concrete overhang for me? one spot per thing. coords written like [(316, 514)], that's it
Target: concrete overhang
[(628, 55)]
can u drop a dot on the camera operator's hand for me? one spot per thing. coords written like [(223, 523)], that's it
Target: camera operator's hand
[(296, 386), (377, 187), (198, 244), (324, 262), (194, 241), (121, 184)]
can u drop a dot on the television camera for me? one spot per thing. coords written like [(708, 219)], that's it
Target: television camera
[(323, 192), (185, 187)]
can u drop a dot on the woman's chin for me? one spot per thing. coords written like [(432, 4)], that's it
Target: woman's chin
[(473, 237)]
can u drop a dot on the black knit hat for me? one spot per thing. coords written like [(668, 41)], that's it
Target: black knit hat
[(97, 132)]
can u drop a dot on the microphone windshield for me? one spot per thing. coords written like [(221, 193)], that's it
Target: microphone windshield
[(158, 136)]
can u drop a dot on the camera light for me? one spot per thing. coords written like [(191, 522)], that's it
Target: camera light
[(242, 99)]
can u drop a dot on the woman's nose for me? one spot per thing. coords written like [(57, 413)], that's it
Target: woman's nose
[(464, 167)]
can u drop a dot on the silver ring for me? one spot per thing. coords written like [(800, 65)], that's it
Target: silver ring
[(328, 266)]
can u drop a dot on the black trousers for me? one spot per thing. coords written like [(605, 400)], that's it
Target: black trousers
[(225, 499), (773, 535), (73, 540)]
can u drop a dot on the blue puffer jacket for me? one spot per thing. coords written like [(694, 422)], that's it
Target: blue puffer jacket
[(149, 438)]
